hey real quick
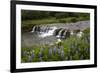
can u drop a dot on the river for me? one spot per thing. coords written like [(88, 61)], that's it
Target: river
[(29, 39)]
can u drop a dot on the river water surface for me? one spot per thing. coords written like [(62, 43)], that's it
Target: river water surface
[(29, 39)]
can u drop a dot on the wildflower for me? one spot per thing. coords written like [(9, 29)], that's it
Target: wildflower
[(50, 52), (23, 53), (59, 51), (62, 54), (40, 54), (79, 34), (31, 57), (55, 50)]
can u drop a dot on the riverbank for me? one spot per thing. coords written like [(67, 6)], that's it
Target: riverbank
[(27, 25)]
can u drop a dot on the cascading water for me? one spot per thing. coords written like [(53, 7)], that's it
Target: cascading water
[(49, 33), (44, 31), (36, 29), (60, 33), (64, 35), (33, 30)]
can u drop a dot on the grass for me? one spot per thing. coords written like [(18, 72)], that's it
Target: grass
[(74, 48), (28, 24)]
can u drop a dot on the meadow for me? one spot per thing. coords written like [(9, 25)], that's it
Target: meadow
[(72, 48)]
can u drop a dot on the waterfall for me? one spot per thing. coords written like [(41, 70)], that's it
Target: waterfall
[(57, 32), (47, 29), (60, 33), (44, 31), (67, 34), (64, 34), (48, 32), (34, 28)]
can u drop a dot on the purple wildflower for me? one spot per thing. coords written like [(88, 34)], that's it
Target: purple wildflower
[(62, 54), (40, 54), (31, 57), (24, 53), (59, 51), (50, 51), (55, 50)]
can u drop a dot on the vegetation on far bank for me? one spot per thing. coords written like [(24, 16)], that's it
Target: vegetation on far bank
[(31, 18)]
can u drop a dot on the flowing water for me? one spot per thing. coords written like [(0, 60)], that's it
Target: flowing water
[(29, 39)]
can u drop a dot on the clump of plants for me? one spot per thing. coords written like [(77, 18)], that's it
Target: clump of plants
[(72, 48)]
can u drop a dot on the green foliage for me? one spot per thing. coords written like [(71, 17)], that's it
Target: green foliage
[(86, 31), (74, 19), (30, 15), (30, 18), (62, 21), (74, 48)]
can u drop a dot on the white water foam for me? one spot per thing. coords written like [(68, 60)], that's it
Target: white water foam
[(49, 33)]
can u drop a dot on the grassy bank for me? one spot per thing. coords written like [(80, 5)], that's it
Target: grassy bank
[(72, 48), (27, 25), (30, 18)]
